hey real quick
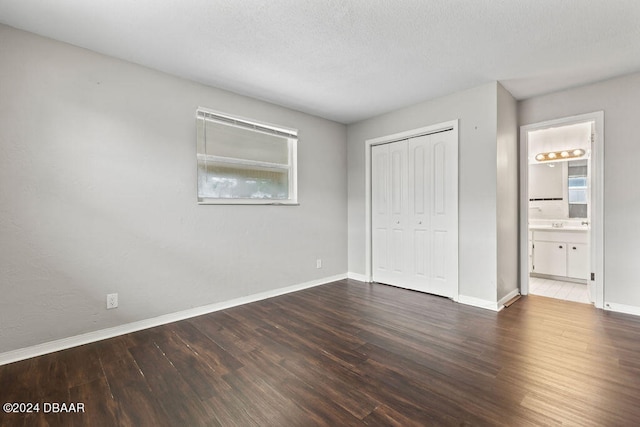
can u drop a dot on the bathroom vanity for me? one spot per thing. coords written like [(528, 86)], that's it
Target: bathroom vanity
[(560, 251)]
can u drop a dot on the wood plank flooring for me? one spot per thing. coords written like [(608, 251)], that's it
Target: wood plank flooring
[(348, 354)]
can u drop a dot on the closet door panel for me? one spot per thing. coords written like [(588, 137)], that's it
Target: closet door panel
[(398, 194), (439, 258), (419, 202), (397, 180), (380, 213), (444, 214), (421, 255), (380, 251), (418, 176), (439, 179)]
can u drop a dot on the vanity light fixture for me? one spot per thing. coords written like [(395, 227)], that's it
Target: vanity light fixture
[(559, 155)]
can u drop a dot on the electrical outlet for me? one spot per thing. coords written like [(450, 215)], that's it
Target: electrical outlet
[(318, 263), (112, 301)]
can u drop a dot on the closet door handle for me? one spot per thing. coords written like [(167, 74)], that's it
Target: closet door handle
[(574, 248), (560, 246)]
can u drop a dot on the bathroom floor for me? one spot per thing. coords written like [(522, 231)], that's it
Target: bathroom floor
[(569, 291)]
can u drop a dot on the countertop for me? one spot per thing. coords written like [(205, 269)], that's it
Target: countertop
[(563, 228)]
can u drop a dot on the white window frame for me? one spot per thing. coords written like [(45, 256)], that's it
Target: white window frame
[(204, 114)]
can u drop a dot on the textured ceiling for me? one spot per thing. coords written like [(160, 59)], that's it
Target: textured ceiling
[(348, 60)]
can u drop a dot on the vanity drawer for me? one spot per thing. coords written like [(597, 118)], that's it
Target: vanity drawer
[(561, 236)]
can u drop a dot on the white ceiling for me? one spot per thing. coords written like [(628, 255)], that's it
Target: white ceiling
[(347, 60)]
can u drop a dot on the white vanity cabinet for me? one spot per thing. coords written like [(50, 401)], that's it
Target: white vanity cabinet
[(578, 260), (561, 253), (550, 258)]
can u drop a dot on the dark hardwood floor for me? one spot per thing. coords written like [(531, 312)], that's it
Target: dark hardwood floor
[(348, 354)]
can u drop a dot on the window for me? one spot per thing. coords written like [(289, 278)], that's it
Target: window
[(578, 189), (244, 162)]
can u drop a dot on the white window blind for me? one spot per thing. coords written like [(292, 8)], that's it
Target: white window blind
[(241, 161)]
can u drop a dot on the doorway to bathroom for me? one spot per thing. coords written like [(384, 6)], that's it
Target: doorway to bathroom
[(561, 189)]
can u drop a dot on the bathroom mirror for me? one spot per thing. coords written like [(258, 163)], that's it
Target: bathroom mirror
[(559, 189), (546, 181)]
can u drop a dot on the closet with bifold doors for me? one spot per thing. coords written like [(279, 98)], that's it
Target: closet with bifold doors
[(414, 218)]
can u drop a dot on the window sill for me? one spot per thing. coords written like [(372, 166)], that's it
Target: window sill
[(211, 201)]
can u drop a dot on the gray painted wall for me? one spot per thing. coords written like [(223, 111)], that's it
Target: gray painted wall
[(476, 109), (507, 193), (98, 195), (618, 98)]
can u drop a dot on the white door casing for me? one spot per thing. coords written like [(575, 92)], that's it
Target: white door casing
[(596, 198)]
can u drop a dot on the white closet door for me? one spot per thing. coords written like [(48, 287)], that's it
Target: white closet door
[(389, 217), (444, 214), (398, 204), (419, 251), (380, 213), (414, 218)]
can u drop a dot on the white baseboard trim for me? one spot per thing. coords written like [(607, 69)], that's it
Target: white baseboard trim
[(621, 308), (481, 303), (357, 276), (65, 343)]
